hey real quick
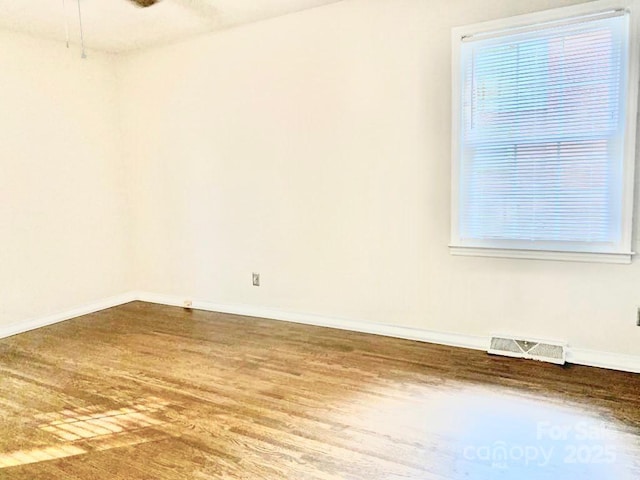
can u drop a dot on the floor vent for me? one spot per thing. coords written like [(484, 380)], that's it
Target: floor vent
[(530, 349)]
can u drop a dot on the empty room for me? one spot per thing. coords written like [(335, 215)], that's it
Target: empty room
[(319, 239)]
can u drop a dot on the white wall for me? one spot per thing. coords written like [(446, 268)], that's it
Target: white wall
[(314, 149), (63, 235)]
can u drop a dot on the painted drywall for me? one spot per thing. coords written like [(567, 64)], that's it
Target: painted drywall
[(315, 149), (64, 240)]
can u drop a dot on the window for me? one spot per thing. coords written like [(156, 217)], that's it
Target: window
[(544, 109)]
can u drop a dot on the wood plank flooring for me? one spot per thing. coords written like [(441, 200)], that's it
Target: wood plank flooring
[(144, 391)]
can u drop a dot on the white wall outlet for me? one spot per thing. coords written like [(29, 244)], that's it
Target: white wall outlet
[(187, 304), (255, 279)]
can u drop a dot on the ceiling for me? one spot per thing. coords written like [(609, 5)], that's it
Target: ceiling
[(118, 25)]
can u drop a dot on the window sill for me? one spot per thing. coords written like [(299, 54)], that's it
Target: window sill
[(592, 257)]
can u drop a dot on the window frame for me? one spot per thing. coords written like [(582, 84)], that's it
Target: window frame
[(625, 252)]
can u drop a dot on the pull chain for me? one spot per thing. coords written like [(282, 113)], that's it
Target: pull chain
[(66, 21), (84, 55)]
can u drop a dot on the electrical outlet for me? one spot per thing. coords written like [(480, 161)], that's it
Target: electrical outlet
[(255, 279)]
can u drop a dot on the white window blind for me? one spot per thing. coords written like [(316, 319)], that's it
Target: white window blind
[(541, 135)]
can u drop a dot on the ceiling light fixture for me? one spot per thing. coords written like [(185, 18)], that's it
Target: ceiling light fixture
[(145, 3)]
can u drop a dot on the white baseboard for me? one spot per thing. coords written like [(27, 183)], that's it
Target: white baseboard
[(85, 309), (451, 339), (611, 361), (579, 356)]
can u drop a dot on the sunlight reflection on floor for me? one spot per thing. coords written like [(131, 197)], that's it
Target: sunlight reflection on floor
[(499, 434), (83, 430)]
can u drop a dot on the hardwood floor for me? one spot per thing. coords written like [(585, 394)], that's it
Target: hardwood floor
[(144, 391)]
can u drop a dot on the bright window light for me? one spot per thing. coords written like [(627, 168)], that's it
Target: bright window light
[(543, 137)]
